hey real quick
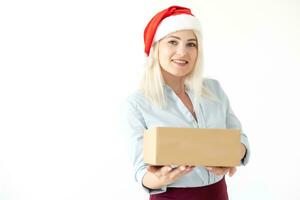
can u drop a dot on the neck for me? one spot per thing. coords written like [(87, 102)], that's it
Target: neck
[(176, 83)]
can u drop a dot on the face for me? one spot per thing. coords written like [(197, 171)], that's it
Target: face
[(177, 53)]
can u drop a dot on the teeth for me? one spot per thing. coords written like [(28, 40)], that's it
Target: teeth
[(180, 61)]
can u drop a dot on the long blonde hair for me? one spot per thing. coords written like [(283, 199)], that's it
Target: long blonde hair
[(152, 83)]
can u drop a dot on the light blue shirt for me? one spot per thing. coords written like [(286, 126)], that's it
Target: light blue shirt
[(139, 114)]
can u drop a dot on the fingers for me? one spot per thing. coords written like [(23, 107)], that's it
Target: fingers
[(219, 171), (180, 171), (173, 173), (232, 171), (167, 174), (165, 170), (159, 170)]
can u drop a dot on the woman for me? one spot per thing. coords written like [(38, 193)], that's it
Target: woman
[(174, 94)]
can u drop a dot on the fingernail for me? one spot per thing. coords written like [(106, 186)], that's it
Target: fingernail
[(182, 168)]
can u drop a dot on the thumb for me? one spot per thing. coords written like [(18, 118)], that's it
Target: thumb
[(152, 168), (232, 171)]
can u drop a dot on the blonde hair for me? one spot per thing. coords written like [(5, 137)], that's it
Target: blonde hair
[(152, 83)]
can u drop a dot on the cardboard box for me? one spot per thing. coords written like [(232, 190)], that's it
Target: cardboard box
[(192, 146)]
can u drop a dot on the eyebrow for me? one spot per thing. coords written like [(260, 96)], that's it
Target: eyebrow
[(176, 37)]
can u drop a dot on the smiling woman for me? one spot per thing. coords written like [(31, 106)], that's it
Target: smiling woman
[(178, 53), (174, 94)]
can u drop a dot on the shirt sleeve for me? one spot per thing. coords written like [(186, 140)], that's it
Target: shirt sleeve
[(233, 122), (133, 125)]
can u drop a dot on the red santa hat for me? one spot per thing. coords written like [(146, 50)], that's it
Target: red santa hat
[(167, 21)]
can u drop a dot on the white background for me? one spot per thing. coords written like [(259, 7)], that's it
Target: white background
[(66, 67)]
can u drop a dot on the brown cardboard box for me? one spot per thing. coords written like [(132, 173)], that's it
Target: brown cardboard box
[(192, 146)]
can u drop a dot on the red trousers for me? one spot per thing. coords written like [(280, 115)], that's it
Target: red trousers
[(216, 191)]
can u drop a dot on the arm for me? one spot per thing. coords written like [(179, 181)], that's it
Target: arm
[(231, 122), (149, 177), (133, 127), (154, 179), (230, 118)]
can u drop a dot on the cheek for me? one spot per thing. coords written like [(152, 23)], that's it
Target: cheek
[(194, 56), (165, 53), (164, 56)]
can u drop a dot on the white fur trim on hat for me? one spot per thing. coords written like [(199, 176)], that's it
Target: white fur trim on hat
[(175, 23)]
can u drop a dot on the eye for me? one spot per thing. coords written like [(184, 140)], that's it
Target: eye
[(173, 42), (191, 44)]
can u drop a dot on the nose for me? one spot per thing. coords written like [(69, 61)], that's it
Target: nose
[(181, 50)]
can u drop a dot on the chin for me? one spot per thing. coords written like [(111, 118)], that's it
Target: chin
[(179, 74)]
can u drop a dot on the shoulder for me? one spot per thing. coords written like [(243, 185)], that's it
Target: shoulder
[(214, 87), (135, 99), (211, 83)]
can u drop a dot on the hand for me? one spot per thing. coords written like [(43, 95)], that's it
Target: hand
[(243, 150), (167, 174), (221, 171)]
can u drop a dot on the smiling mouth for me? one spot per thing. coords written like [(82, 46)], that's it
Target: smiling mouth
[(179, 61)]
